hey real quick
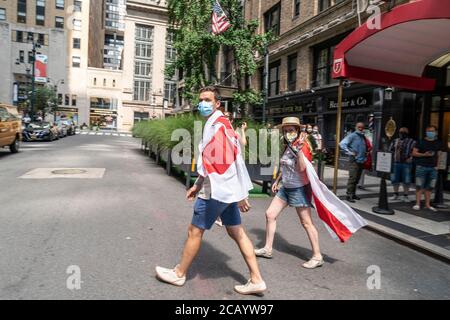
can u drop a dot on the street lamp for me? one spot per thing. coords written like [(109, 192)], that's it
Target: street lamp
[(33, 71)]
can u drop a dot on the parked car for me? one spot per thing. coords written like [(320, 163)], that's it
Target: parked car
[(70, 126), (10, 135), (62, 129), (40, 131)]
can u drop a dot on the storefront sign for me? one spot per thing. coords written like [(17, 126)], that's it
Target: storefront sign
[(103, 112), (384, 162), (293, 109), (363, 101)]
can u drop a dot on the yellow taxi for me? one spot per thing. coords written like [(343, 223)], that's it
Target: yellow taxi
[(10, 128)]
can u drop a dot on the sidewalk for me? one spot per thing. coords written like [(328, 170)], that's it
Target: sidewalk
[(423, 229)]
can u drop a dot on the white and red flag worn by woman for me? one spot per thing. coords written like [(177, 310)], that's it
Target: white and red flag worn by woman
[(339, 219), (220, 160)]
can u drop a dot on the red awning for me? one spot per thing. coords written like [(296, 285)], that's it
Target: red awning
[(411, 37)]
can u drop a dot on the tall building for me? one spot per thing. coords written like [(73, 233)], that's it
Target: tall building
[(23, 22), (300, 82), (107, 57), (123, 65), (300, 65)]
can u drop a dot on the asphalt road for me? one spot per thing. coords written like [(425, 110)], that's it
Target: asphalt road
[(118, 228)]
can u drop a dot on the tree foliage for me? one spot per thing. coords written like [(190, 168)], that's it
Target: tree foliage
[(45, 100), (197, 48)]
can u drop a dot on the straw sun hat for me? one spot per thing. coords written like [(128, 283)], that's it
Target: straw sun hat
[(289, 121)]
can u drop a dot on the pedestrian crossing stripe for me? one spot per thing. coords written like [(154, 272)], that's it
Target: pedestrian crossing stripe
[(106, 134)]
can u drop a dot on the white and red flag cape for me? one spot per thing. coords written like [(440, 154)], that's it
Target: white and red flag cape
[(221, 161), (339, 219)]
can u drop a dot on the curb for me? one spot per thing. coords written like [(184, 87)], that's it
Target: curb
[(411, 242)]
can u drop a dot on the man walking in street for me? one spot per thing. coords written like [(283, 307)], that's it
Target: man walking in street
[(355, 145), (425, 156), (402, 148), (222, 186)]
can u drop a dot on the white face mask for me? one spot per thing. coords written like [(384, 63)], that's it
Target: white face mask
[(291, 136)]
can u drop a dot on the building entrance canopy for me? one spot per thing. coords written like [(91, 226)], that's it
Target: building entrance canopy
[(412, 36)]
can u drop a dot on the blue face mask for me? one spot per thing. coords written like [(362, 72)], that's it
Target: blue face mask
[(205, 108), (431, 135)]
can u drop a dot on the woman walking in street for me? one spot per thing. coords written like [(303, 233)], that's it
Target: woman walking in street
[(295, 191)]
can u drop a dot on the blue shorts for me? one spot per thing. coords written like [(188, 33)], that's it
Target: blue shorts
[(426, 178), (206, 213), (402, 173), (296, 197)]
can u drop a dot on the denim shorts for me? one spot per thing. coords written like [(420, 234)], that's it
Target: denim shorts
[(296, 197), (402, 173), (206, 213), (426, 178)]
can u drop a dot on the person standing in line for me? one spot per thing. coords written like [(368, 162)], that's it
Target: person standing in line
[(425, 155), (402, 149), (320, 151), (224, 182), (355, 145), (318, 137)]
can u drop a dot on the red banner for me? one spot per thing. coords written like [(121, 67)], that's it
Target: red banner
[(41, 68)]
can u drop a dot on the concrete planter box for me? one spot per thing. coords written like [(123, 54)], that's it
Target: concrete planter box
[(255, 171)]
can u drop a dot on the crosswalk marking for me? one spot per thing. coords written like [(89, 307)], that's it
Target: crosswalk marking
[(95, 133)]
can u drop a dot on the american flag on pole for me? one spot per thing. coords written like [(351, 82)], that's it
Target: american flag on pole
[(220, 22)]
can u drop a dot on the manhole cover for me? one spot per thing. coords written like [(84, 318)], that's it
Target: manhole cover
[(69, 171)]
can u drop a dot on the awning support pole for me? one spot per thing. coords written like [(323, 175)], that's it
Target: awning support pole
[(338, 135)]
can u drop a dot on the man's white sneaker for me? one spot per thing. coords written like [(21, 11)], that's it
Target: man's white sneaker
[(251, 288), (433, 209), (416, 207), (169, 276)]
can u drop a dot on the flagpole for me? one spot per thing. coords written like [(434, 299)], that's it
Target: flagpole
[(338, 135)]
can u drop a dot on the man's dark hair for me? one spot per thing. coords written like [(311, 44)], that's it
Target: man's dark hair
[(214, 90)]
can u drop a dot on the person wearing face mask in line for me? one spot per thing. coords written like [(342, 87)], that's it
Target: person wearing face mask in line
[(402, 149), (355, 145), (425, 156), (320, 150)]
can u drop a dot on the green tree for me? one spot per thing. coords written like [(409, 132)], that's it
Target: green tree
[(45, 100), (197, 47)]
